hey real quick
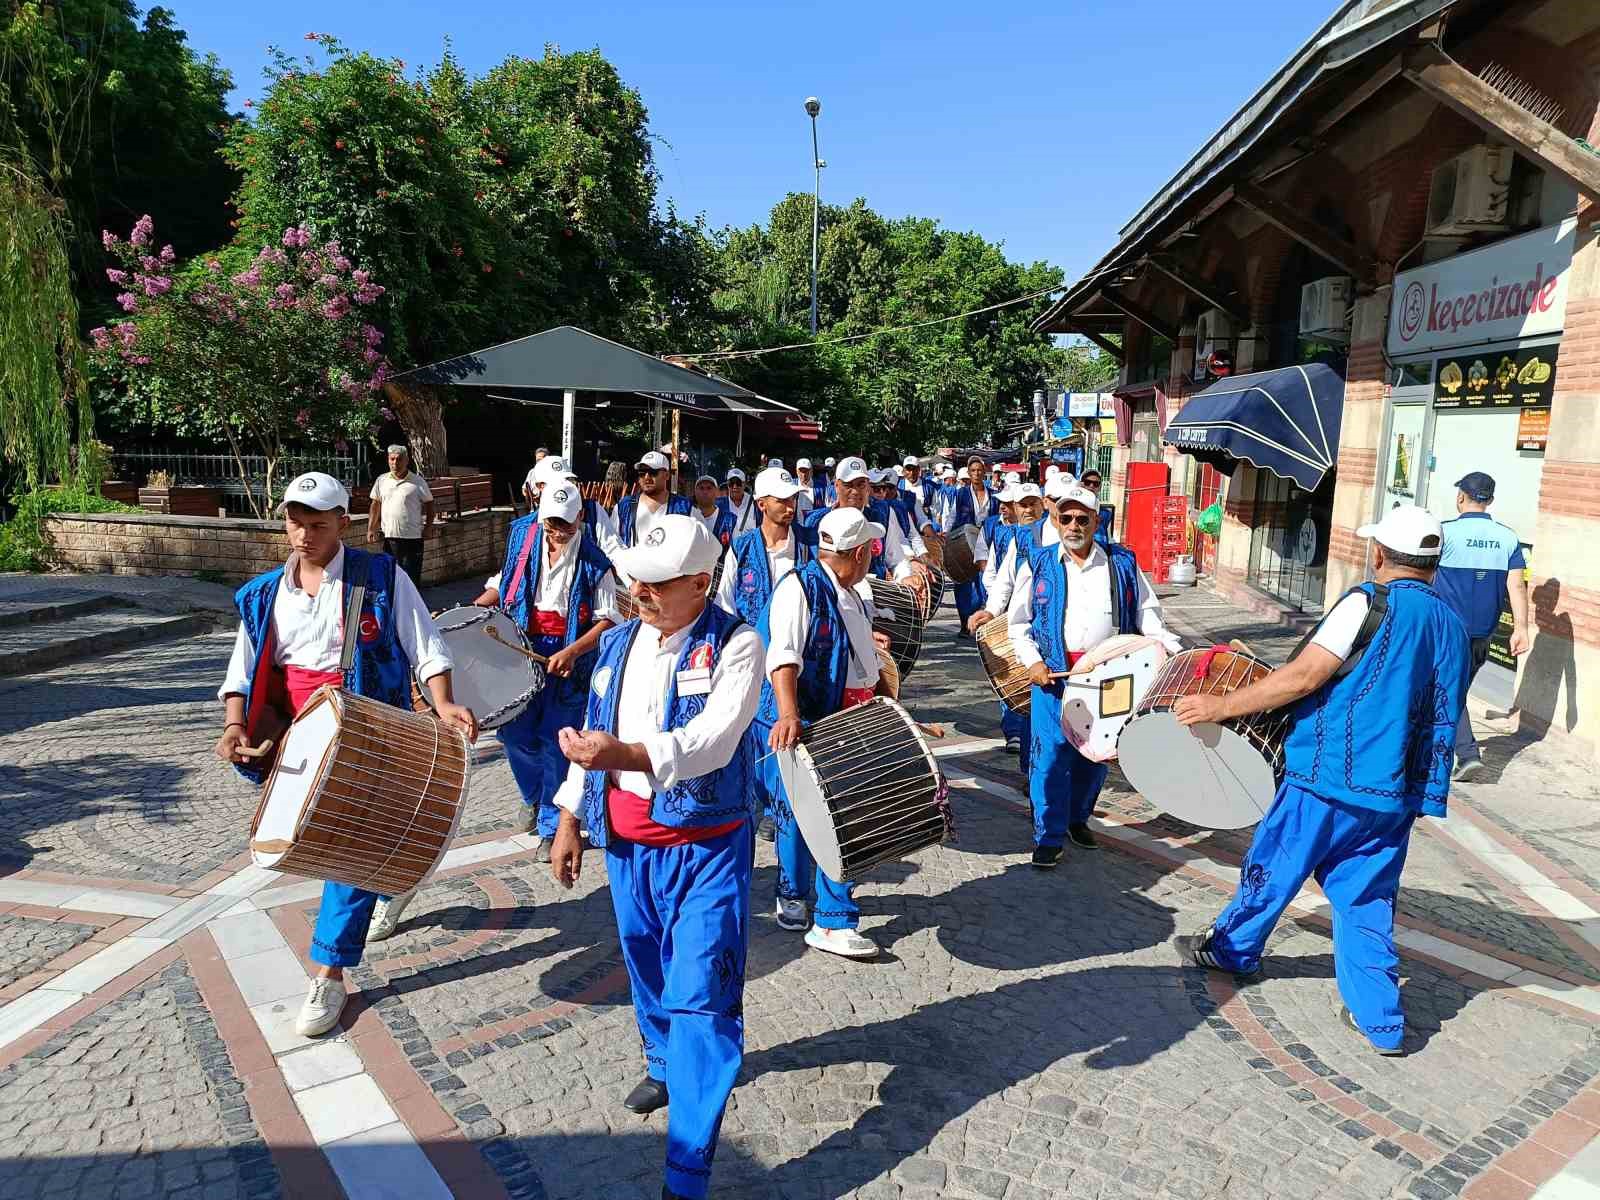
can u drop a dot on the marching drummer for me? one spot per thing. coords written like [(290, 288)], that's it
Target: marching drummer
[(970, 506), (636, 514), (738, 503), (761, 556), (1021, 505), (662, 773), (822, 657), (292, 633), (810, 488), (1069, 598), (559, 588), (708, 509), (886, 490), (1369, 751), (892, 556)]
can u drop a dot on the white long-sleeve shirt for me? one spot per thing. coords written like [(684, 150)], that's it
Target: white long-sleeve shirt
[(707, 743), (789, 618), (1089, 619), (552, 589), (898, 551), (780, 561), (310, 628), (1005, 572), (644, 520), (744, 515)]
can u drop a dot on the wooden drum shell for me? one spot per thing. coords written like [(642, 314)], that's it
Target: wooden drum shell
[(1006, 675)]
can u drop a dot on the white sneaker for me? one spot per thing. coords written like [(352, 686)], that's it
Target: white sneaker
[(792, 914), (846, 942), (386, 915), (320, 1012), (1466, 768)]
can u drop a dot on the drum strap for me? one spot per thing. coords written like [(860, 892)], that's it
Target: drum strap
[(1370, 624), (352, 628)]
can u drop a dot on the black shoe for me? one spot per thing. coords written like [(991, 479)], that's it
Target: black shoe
[(646, 1097), (1347, 1019), (1195, 949), (767, 831), (1081, 837), (1045, 857)]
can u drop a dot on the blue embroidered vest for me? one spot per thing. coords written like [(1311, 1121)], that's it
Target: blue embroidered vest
[(381, 670), (964, 511), (752, 588), (1383, 736), (628, 513), (820, 687), (1050, 599), (877, 511), (593, 566), (715, 799)]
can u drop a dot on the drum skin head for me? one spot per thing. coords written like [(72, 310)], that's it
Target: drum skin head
[(1097, 704), (810, 808), (1203, 774), (487, 677), (296, 778)]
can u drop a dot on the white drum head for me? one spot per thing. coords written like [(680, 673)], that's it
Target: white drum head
[(493, 680), (295, 780), (810, 810), (1203, 774), (1098, 703)]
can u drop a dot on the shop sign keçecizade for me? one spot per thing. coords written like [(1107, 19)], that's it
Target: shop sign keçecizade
[(1516, 288)]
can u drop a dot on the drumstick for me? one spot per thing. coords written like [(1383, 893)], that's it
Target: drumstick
[(1240, 646), (255, 751), (495, 634), (933, 730)]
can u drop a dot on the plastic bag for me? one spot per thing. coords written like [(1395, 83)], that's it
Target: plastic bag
[(1209, 520)]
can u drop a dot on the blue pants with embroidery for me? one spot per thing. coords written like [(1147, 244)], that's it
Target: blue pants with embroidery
[(1062, 784), (537, 763), (683, 916), (1356, 855), (970, 597), (341, 932), (799, 877)]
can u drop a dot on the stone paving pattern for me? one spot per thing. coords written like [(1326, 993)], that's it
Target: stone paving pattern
[(27, 944), (1024, 1035)]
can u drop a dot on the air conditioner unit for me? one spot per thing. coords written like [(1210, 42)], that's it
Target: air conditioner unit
[(1470, 193), (1324, 308), (1213, 331)]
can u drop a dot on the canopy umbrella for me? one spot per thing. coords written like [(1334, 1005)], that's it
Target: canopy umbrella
[(573, 361), (1285, 420)]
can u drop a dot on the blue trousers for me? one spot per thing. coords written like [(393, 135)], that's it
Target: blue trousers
[(683, 916), (1356, 855), (342, 920), (1062, 784), (799, 878), (970, 597), (537, 763)]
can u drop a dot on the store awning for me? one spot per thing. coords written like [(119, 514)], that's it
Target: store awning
[(1285, 420)]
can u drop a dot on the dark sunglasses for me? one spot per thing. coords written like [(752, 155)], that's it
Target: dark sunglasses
[(1084, 519)]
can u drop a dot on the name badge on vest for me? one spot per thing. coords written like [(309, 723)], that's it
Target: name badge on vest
[(695, 682)]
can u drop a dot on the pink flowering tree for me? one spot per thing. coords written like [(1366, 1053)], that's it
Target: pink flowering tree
[(279, 355)]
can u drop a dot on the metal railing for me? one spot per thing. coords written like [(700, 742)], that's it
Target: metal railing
[(220, 471)]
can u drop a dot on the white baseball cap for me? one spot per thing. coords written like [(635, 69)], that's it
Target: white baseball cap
[(551, 469), (802, 464), (1026, 491), (828, 462), (946, 471), (1056, 486), (705, 478), (910, 460), (653, 460), (775, 462), (1407, 529), (846, 528), (1013, 477), (559, 499), (851, 469), (735, 473), (1052, 471), (316, 490), (1082, 497), (675, 546), (777, 483)]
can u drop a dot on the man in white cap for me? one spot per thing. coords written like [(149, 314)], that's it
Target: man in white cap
[(738, 503), (401, 511), (295, 624), (810, 488), (637, 513), (922, 490), (709, 511), (893, 554), (759, 557), (559, 588), (1069, 598), (971, 507), (662, 772), (829, 497), (822, 657), (1374, 693), (900, 510), (1020, 506)]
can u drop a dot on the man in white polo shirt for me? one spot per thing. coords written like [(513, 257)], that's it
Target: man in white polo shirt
[(402, 512)]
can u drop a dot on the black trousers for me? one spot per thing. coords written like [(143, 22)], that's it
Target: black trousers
[(408, 553)]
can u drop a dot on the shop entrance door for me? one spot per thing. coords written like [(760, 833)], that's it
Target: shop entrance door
[(1289, 543)]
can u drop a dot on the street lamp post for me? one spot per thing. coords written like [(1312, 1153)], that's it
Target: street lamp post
[(813, 107)]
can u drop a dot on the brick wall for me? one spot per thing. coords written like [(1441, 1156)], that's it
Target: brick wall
[(150, 544)]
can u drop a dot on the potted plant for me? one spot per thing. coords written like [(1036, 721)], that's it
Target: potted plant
[(161, 495)]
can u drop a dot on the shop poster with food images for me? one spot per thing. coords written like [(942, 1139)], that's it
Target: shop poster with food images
[(1533, 429), (1499, 379)]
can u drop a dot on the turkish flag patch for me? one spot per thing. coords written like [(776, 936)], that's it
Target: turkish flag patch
[(701, 657), (369, 627)]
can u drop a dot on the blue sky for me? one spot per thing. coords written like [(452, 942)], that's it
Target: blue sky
[(1042, 126)]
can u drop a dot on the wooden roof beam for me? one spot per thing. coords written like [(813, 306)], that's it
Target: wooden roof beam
[(1458, 89), (1210, 293), (1307, 232), (1139, 313), (1110, 347)]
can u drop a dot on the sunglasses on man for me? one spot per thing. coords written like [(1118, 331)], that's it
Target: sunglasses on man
[(1075, 517)]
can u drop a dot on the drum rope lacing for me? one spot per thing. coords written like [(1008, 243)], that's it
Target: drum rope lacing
[(416, 808)]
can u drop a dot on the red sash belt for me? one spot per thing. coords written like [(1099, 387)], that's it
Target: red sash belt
[(301, 682), (628, 816), (855, 696), (550, 624)]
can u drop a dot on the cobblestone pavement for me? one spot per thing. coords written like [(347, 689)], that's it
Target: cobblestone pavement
[(1023, 1035)]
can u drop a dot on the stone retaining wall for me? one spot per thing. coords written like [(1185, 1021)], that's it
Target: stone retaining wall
[(153, 544)]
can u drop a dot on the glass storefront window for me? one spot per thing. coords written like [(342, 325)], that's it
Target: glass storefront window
[(1289, 540)]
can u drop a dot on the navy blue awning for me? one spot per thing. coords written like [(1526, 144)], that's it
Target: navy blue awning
[(1285, 420)]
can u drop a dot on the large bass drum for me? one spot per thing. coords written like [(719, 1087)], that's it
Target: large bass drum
[(865, 789), (1105, 687), (1218, 776), (492, 673), (1007, 676), (959, 564), (897, 613), (362, 793)]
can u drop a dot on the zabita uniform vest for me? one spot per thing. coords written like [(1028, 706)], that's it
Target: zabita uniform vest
[(820, 688), (714, 799), (381, 670), (1383, 736)]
